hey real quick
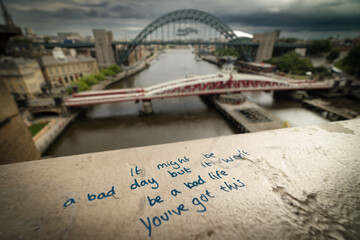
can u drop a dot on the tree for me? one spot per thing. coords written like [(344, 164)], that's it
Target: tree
[(351, 63), (289, 40), (89, 80), (115, 68), (107, 72), (333, 54), (291, 62), (46, 39), (322, 72), (227, 52), (99, 76), (319, 46), (82, 85)]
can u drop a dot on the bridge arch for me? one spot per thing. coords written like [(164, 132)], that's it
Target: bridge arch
[(186, 14)]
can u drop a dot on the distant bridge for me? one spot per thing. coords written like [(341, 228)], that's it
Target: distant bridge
[(181, 27), (219, 83), (171, 26), (170, 42)]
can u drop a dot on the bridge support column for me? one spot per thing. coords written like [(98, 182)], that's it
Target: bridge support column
[(147, 107)]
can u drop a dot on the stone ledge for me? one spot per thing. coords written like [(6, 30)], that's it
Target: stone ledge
[(281, 184)]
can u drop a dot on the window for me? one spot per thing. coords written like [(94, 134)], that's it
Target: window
[(63, 69), (22, 88), (66, 79), (57, 72), (71, 78), (50, 71), (68, 68)]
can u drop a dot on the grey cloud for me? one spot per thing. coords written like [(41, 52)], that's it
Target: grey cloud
[(63, 14), (87, 4), (322, 16), (296, 22), (123, 11)]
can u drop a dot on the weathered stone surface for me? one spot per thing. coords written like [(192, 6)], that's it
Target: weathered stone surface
[(295, 183), (16, 144)]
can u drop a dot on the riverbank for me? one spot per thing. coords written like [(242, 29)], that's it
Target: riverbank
[(52, 131), (127, 72)]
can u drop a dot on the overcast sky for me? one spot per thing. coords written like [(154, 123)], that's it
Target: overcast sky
[(305, 19)]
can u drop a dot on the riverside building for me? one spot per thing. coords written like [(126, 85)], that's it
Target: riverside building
[(60, 70)]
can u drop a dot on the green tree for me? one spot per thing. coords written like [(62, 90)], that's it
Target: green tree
[(82, 85), (99, 76), (291, 62), (322, 72), (288, 40), (115, 68), (351, 63), (46, 39), (227, 52), (333, 54), (319, 46), (89, 80), (107, 72)]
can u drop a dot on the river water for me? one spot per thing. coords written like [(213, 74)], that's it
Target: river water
[(121, 125)]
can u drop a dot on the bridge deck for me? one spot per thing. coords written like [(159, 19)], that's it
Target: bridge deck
[(198, 85)]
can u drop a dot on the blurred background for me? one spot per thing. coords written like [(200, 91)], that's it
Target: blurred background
[(87, 76)]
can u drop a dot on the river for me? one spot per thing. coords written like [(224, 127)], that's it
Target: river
[(121, 125)]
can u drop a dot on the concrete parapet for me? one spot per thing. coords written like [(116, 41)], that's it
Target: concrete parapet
[(295, 183)]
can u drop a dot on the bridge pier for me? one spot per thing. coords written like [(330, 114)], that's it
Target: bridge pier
[(147, 107)]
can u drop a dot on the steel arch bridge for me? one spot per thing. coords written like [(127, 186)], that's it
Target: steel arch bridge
[(183, 15)]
